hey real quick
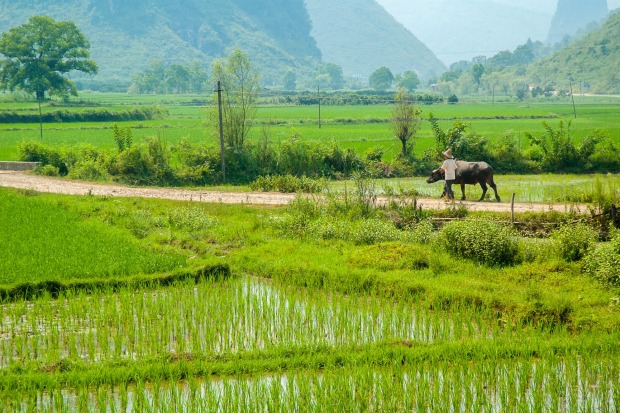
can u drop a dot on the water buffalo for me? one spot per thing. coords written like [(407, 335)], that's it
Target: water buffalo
[(470, 173)]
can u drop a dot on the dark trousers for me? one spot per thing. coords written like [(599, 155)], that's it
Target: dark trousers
[(448, 188)]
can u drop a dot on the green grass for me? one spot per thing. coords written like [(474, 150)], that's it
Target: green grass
[(47, 242), (359, 127), (307, 324)]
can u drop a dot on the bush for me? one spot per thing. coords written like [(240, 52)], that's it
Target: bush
[(487, 242), (48, 170), (36, 152), (288, 184), (372, 231), (572, 241), (143, 164), (603, 262)]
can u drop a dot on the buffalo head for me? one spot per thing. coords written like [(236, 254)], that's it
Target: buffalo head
[(436, 175)]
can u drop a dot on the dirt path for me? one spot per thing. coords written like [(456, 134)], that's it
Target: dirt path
[(24, 180)]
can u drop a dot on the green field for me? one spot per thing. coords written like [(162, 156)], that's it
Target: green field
[(359, 127), (380, 320), (331, 306)]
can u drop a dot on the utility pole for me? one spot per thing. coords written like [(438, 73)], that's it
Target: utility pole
[(219, 106), (318, 93), (572, 97)]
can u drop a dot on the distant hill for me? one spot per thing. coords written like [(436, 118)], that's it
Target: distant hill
[(461, 30), (361, 36), (572, 15), (592, 60), (127, 35)]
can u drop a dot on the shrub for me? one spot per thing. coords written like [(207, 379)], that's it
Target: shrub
[(288, 184), (36, 152), (143, 164), (88, 170), (192, 218), (487, 242), (329, 228), (603, 262), (372, 231), (572, 241), (421, 233), (49, 170)]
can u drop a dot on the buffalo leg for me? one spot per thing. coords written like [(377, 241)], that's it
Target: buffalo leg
[(495, 190), (484, 190), (463, 192)]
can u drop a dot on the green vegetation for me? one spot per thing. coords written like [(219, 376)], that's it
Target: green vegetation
[(280, 308), (535, 71), (47, 240), (39, 54), (175, 147)]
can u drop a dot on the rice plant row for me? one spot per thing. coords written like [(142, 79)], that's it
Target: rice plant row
[(214, 318), (571, 384)]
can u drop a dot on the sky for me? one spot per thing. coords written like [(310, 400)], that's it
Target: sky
[(463, 29)]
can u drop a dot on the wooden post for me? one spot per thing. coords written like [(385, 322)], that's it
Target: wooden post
[(219, 104), (512, 209)]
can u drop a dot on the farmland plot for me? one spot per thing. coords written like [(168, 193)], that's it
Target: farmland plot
[(247, 345)]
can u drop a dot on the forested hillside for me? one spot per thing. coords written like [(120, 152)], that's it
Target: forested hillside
[(592, 61), (128, 36)]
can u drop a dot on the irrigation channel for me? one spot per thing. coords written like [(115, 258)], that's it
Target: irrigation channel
[(246, 344)]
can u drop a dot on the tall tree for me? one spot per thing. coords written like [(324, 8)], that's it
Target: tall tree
[(331, 75), (38, 54), (240, 84), (409, 80), (381, 79), (290, 80), (405, 121)]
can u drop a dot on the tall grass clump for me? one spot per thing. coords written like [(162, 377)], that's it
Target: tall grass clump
[(288, 184), (572, 241), (602, 262), (485, 241)]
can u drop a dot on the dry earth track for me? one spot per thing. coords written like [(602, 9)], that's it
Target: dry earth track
[(26, 180)]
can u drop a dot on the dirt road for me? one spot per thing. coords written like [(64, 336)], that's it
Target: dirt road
[(26, 180)]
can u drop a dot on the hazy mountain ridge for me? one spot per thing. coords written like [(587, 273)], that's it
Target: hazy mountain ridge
[(361, 36), (457, 30), (572, 15), (127, 35)]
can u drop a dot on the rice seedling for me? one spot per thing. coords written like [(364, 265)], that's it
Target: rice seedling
[(556, 384), (214, 318)]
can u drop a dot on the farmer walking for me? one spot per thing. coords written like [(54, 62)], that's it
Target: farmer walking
[(449, 169)]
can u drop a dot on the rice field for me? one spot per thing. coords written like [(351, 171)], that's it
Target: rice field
[(361, 128), (271, 343), (249, 345), (45, 241)]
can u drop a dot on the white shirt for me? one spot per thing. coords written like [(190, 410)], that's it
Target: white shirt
[(449, 167)]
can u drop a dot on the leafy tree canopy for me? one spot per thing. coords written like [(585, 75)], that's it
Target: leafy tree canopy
[(38, 53), (409, 80), (381, 79)]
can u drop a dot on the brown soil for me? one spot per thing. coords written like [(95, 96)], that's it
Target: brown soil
[(25, 180)]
